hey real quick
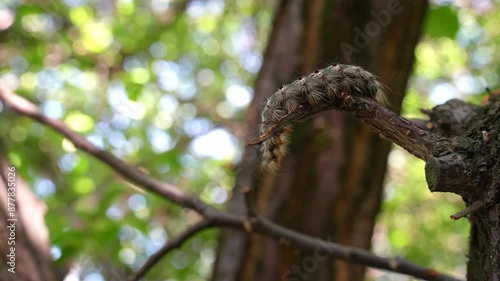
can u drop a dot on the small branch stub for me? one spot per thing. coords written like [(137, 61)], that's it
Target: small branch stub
[(450, 173)]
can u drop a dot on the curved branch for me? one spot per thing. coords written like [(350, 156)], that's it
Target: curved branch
[(168, 191), (339, 87), (172, 245), (215, 218), (397, 129), (351, 254), (289, 237)]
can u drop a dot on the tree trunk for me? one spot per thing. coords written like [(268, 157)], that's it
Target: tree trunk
[(330, 184), (466, 163), (24, 243)]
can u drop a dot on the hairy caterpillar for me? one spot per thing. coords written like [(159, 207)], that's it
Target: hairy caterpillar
[(321, 90)]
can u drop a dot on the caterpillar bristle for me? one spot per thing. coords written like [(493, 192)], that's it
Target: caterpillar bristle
[(291, 105), (280, 96), (306, 96)]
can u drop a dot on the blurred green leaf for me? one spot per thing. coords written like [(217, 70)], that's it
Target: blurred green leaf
[(441, 22)]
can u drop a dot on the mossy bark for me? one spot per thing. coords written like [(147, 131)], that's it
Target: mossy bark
[(466, 163)]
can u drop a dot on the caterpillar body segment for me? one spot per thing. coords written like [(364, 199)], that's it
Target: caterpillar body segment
[(321, 90)]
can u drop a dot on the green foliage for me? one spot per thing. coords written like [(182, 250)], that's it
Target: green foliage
[(417, 222), (441, 21), (452, 61), (149, 81)]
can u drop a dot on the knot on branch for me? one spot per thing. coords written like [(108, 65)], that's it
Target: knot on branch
[(451, 118), (466, 164)]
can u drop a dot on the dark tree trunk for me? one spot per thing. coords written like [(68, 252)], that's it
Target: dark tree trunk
[(484, 247), (330, 184)]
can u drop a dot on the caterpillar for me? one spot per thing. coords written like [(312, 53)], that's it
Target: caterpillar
[(321, 90)]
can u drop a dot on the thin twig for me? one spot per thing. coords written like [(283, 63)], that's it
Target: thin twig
[(474, 207), (171, 245)]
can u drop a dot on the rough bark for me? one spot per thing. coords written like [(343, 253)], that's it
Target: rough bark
[(330, 184), (466, 163), (278, 67)]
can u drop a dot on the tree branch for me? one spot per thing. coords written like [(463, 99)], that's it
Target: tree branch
[(395, 128), (339, 87), (172, 245), (289, 237), (450, 118), (351, 254), (168, 191), (474, 207), (215, 218)]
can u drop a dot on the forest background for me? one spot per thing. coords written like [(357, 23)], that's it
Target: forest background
[(165, 86)]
